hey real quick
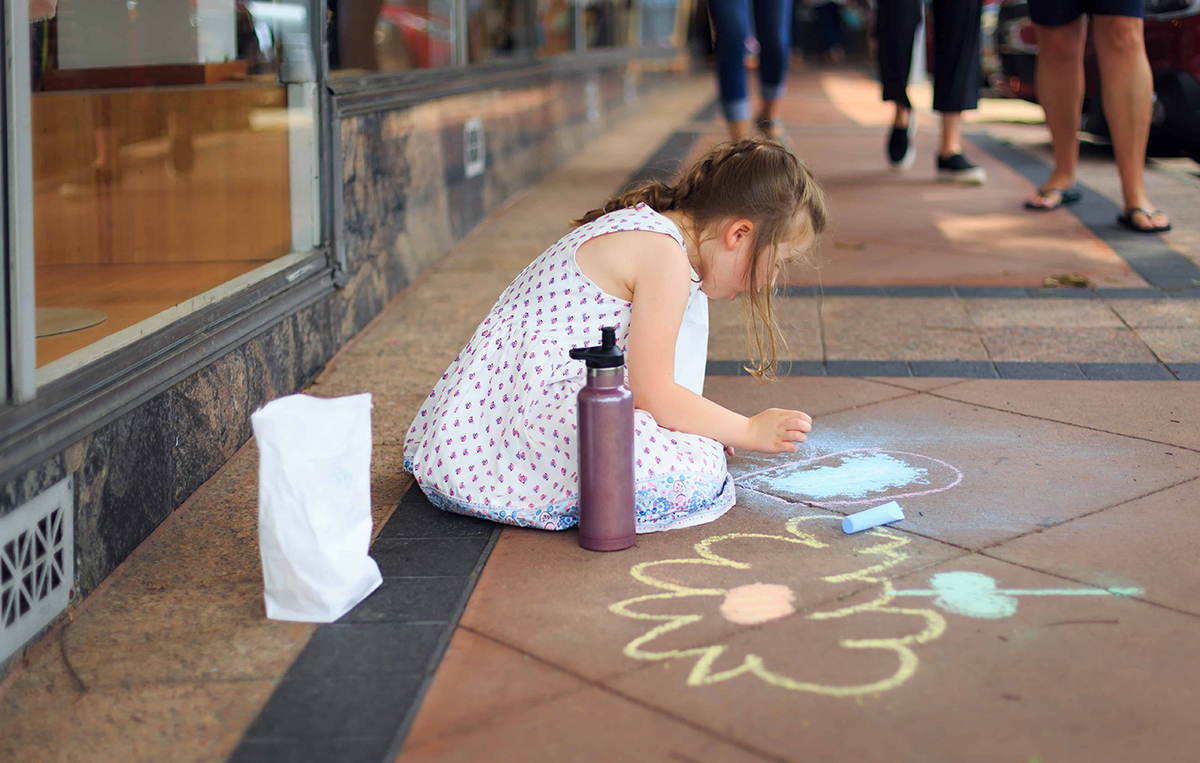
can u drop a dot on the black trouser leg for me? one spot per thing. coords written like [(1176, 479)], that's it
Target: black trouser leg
[(895, 29), (956, 64)]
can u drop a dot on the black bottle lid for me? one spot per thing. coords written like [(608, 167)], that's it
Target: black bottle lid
[(607, 355)]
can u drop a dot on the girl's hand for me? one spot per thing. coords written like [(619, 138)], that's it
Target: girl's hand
[(776, 430)]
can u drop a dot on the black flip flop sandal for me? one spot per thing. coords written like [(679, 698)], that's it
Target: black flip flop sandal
[(1126, 219), (1065, 196)]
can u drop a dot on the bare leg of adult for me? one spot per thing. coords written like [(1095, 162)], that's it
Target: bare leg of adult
[(951, 134), (739, 129), (1127, 88), (1060, 92), (902, 116)]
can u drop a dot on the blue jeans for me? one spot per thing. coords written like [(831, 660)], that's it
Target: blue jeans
[(772, 25)]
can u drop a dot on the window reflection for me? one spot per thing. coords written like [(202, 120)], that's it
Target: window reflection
[(658, 23), (607, 23), (397, 35), (497, 29), (160, 157), (390, 35), (555, 27)]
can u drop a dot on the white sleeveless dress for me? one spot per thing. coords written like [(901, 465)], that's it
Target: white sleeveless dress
[(496, 438)]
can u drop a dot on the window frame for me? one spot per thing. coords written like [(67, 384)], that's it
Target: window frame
[(38, 421), (21, 312)]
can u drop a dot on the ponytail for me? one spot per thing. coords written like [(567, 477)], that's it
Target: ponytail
[(759, 180), (655, 194)]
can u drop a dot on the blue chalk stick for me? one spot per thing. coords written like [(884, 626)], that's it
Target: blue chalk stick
[(865, 520)]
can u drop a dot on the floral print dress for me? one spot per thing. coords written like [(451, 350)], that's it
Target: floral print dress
[(496, 438)]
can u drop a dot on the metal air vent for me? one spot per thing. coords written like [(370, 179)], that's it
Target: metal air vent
[(37, 564), (474, 156)]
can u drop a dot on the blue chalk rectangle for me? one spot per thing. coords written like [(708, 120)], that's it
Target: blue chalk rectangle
[(865, 520)]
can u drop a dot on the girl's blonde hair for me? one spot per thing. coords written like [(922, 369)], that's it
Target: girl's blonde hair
[(755, 179)]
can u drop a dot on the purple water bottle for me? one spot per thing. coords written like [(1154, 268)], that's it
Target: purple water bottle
[(606, 495)]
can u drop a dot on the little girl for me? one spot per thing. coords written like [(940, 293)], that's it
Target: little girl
[(496, 437)]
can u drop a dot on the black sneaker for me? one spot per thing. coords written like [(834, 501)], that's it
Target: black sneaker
[(901, 151), (956, 169)]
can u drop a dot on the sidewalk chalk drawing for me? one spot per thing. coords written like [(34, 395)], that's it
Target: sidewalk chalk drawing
[(854, 477), (973, 594), (761, 601)]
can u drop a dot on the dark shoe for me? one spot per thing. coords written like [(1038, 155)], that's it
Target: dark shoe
[(1127, 220), (956, 169), (1065, 196), (900, 149)]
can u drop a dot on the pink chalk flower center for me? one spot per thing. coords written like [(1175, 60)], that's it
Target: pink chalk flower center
[(757, 603)]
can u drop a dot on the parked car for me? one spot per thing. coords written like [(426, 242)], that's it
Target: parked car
[(1172, 45), (412, 36)]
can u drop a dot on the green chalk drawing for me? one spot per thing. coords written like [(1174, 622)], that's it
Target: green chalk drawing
[(973, 594)]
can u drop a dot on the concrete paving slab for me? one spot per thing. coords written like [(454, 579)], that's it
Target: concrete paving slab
[(883, 677), (435, 319), (1173, 345), (1166, 412), (754, 540), (923, 312), (1031, 344), (1042, 313), (816, 396), (978, 475), (916, 383), (396, 396), (185, 721), (214, 538), (590, 726), (1152, 540), (479, 679), (213, 632), (852, 340), (799, 323), (927, 238), (1158, 313), (865, 328)]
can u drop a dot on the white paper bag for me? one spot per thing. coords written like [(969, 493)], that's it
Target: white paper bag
[(314, 505)]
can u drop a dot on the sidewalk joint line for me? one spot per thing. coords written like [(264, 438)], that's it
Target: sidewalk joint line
[(1067, 578), (645, 705), (1093, 512)]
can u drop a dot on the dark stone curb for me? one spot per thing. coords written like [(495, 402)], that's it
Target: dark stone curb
[(970, 369), (354, 691)]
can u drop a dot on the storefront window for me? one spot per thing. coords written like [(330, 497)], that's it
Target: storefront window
[(555, 27), (497, 30), (607, 23), (163, 147), (390, 35), (658, 23)]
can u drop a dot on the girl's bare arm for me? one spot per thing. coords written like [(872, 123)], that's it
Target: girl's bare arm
[(661, 283)]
